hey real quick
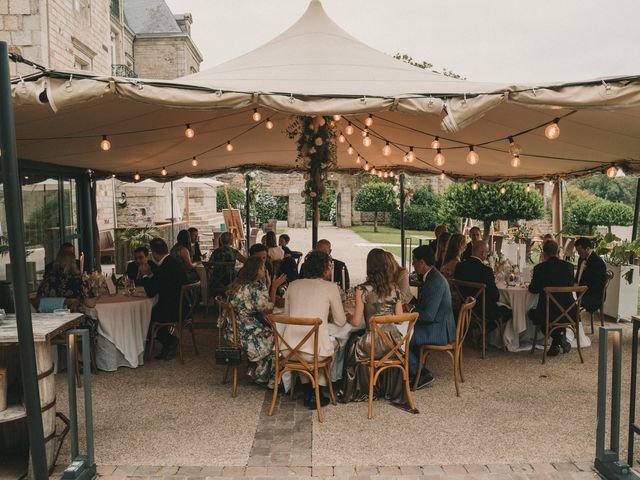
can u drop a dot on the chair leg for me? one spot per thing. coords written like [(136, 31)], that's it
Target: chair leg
[(577, 334), (371, 376), (407, 387), (546, 341), (484, 338), (535, 339), (327, 372), (234, 389), (421, 362), (193, 339), (592, 329), (459, 362), (601, 310), (454, 363), (225, 379), (274, 397), (294, 379), (316, 389)]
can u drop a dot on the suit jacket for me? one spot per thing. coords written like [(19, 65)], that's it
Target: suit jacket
[(337, 273), (594, 276), (551, 273), (473, 270), (132, 270), (436, 324), (466, 255), (166, 282)]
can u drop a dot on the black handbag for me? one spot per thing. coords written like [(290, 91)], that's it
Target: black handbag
[(228, 356)]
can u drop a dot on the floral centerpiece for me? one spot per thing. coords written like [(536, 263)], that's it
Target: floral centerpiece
[(97, 283)]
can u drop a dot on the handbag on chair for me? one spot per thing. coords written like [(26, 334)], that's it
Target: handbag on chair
[(227, 355)]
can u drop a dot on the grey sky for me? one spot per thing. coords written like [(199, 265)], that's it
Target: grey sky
[(490, 40)]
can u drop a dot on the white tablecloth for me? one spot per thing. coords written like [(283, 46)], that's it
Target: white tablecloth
[(519, 331), (123, 322)]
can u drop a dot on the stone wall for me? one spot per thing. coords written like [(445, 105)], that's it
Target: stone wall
[(165, 57)]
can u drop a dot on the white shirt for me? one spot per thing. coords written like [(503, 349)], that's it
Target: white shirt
[(276, 253)]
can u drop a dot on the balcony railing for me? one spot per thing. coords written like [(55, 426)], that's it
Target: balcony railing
[(115, 8), (123, 71)]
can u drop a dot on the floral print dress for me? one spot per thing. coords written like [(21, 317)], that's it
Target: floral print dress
[(250, 303)]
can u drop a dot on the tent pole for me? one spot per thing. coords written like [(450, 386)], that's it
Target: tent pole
[(87, 222), (247, 209), (403, 255), (15, 232), (173, 234), (636, 212), (556, 208), (314, 222)]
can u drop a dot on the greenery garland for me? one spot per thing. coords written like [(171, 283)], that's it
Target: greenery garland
[(317, 151)]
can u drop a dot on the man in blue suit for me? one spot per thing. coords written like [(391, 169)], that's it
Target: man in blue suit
[(436, 324)]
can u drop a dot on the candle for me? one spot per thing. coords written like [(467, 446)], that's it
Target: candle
[(81, 261), (344, 281)]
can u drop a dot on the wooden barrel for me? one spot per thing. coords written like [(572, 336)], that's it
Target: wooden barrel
[(4, 384), (47, 387)]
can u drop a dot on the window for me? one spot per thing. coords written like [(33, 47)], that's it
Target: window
[(115, 8), (114, 52)]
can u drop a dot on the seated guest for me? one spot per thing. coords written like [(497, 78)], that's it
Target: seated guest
[(65, 281), (324, 245), (475, 235), (314, 297), (196, 253), (275, 252), (433, 244), (261, 251), (399, 276), (435, 325), (553, 272), (441, 248), (141, 257), (166, 282), (224, 275), (252, 301), (453, 252), (283, 241), (474, 270), (64, 248), (182, 252), (592, 272), (379, 295)]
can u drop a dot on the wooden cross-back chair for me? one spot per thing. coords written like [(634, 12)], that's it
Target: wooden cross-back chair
[(189, 300), (291, 359), (600, 311), (228, 316), (213, 288), (568, 317), (478, 291), (396, 357), (453, 349)]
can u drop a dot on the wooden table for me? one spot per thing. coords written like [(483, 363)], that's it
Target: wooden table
[(13, 434)]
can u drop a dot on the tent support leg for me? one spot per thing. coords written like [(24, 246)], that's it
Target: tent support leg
[(403, 255), (247, 210), (636, 212), (315, 222)]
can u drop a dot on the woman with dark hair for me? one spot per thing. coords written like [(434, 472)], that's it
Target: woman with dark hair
[(251, 302), (275, 251), (182, 251), (379, 295), (314, 296), (399, 276), (441, 248), (453, 252)]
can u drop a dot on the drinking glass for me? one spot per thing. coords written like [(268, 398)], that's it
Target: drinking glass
[(131, 288)]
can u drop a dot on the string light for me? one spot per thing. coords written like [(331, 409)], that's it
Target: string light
[(515, 161), (366, 141), (136, 177), (369, 121), (386, 175), (612, 171), (269, 124), (373, 171), (442, 176), (379, 174), (349, 129), (391, 174), (439, 158), (189, 132), (105, 144), (503, 190), (342, 138), (350, 150), (358, 159), (436, 143), (229, 146), (411, 156), (553, 130), (386, 150), (474, 185), (528, 189), (194, 162), (366, 167), (257, 116), (365, 132), (336, 118), (163, 172), (514, 148), (472, 157)]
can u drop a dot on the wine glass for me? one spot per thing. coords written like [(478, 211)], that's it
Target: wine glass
[(131, 288)]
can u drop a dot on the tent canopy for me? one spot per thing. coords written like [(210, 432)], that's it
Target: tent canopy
[(313, 68)]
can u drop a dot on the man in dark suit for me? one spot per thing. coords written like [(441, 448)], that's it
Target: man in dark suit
[(166, 283), (592, 272), (474, 270), (476, 235), (196, 255), (553, 272), (338, 266), (435, 325), (141, 257)]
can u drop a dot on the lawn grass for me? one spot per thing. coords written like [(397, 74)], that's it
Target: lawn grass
[(387, 234)]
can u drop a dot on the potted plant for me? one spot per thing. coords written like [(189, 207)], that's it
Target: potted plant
[(622, 293), (130, 239)]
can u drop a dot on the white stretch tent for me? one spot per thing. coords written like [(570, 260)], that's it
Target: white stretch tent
[(315, 67)]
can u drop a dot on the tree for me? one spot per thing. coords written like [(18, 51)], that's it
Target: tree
[(611, 213), (266, 206), (424, 211), (621, 189), (576, 216), (324, 205), (375, 197), (237, 198), (488, 204)]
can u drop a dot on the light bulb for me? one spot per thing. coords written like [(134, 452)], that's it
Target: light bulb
[(405, 159), (386, 150), (336, 118), (391, 174), (269, 124), (439, 158), (194, 162), (369, 121), (366, 167), (442, 176), (515, 161), (366, 141), (358, 159), (365, 132), (472, 157), (551, 183), (612, 171), (257, 116), (350, 150), (436, 143), (474, 186), (136, 177), (163, 172), (189, 132), (342, 138), (105, 144), (386, 175), (514, 148), (229, 146), (379, 174), (503, 190), (373, 171), (528, 189), (349, 129), (411, 156), (552, 131)]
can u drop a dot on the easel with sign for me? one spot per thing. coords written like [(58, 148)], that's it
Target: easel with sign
[(233, 221)]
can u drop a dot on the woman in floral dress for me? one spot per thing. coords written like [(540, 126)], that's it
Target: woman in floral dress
[(252, 300)]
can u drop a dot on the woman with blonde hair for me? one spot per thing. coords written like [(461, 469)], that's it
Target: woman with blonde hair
[(441, 248), (400, 276), (453, 252)]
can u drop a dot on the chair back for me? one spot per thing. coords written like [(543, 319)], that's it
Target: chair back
[(569, 248), (294, 354), (228, 315), (72, 304), (564, 315), (189, 299), (398, 353), (475, 290), (606, 286), (464, 320)]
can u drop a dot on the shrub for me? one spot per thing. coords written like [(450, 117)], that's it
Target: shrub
[(610, 213), (375, 197)]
